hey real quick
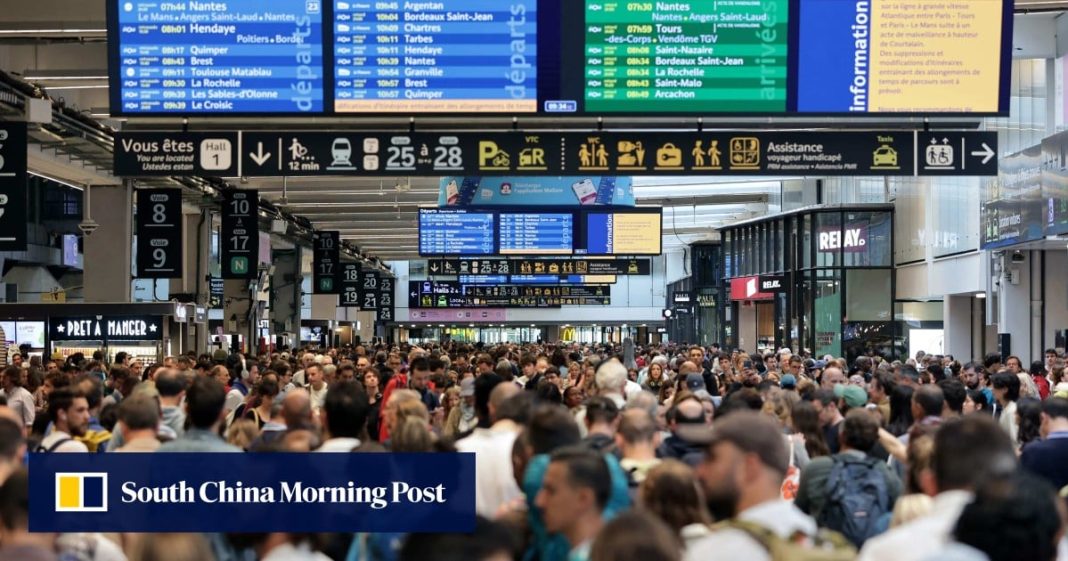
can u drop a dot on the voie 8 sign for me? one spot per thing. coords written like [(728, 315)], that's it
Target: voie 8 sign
[(159, 233)]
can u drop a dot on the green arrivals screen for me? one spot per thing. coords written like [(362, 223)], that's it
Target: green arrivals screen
[(686, 57)]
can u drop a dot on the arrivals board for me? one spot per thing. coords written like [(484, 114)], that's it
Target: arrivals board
[(456, 232), (684, 57), (582, 57), (189, 57)]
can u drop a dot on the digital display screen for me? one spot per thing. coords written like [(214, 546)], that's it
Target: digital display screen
[(537, 233), (449, 56), (621, 233), (456, 232), (558, 57), (685, 57), (232, 56), (31, 333)]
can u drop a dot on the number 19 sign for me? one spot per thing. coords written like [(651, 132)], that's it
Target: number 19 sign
[(159, 234), (240, 235)]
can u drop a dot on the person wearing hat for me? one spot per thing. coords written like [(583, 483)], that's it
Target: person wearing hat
[(742, 474), (788, 382), (850, 397), (463, 418)]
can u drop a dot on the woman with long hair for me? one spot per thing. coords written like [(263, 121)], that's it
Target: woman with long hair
[(1029, 421), (900, 410), (655, 378), (806, 422), (672, 493)]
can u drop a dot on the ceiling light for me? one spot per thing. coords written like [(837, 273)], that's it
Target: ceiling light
[(94, 87)]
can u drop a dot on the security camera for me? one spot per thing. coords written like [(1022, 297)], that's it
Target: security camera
[(88, 227)]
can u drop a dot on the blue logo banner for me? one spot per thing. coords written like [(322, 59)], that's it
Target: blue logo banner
[(536, 191), (276, 492)]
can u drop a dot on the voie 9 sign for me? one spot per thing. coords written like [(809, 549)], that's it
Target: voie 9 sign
[(849, 239)]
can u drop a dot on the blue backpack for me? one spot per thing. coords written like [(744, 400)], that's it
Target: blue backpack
[(858, 500)]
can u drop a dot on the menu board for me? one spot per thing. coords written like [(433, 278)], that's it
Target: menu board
[(233, 56), (537, 233), (685, 57), (449, 56), (456, 232), (623, 234)]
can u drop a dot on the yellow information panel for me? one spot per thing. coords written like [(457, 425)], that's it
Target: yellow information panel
[(636, 234), (923, 49)]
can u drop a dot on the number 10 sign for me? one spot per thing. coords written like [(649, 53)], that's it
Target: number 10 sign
[(159, 233)]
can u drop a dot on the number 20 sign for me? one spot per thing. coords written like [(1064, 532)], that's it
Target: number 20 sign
[(159, 233)]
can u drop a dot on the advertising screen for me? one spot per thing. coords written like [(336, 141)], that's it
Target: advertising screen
[(584, 57), (237, 56)]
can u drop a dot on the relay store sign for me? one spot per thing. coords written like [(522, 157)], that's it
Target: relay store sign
[(106, 328), (252, 492), (749, 288), (851, 240)]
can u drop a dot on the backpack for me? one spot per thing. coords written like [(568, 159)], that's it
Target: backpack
[(858, 499), (824, 546), (41, 449)]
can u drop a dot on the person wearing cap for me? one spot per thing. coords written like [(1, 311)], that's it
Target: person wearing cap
[(689, 426), (788, 382), (742, 475)]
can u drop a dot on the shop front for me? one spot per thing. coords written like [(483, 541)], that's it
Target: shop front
[(819, 278)]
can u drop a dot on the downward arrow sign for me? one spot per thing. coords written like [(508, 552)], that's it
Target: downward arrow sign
[(259, 157), (987, 153)]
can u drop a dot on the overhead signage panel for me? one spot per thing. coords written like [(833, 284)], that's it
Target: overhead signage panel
[(593, 154), (237, 56), (176, 153), (456, 232), (159, 234), (350, 285), (13, 186), (537, 233), (326, 263), (452, 267), (430, 294), (386, 305), (240, 234)]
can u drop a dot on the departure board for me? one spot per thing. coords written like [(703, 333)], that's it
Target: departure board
[(448, 56), (232, 56), (456, 232), (679, 57), (537, 233)]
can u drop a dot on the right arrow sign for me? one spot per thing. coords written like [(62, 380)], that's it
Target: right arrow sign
[(957, 153)]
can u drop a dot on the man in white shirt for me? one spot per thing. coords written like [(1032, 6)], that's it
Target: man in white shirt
[(965, 453), (742, 476), (316, 386), (69, 411), (19, 398), (495, 483)]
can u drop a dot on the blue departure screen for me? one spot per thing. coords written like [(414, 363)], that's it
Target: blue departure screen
[(537, 233), (456, 232), (226, 56), (446, 56)]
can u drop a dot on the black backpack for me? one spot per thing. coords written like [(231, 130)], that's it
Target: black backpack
[(858, 499)]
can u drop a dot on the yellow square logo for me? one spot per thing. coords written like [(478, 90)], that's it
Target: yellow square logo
[(81, 492)]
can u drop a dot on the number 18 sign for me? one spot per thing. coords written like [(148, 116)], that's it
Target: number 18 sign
[(159, 233)]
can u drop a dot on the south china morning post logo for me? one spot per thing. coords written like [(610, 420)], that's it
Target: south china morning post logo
[(81, 492)]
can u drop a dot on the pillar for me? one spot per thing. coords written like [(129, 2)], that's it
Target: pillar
[(194, 283), (108, 251), (237, 302), (1014, 304), (957, 322), (285, 291)]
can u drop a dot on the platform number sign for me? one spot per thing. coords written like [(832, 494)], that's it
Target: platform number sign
[(326, 265), (350, 285), (240, 235), (385, 298), (159, 233), (369, 290)]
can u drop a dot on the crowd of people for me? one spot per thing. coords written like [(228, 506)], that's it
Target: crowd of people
[(599, 452)]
